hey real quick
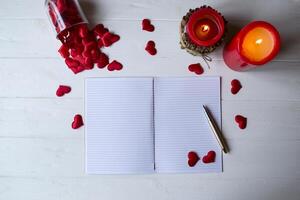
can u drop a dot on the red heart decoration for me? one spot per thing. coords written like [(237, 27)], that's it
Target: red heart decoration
[(99, 30), (114, 65), (241, 120), (196, 68), (62, 90), (235, 86), (103, 60), (147, 26), (109, 38), (193, 158), (64, 51), (210, 157), (150, 48), (78, 122)]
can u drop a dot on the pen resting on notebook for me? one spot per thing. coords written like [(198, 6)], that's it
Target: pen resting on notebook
[(215, 129)]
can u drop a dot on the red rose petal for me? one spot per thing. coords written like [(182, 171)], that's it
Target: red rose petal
[(210, 157), (78, 122), (62, 90), (193, 158), (147, 26), (196, 68), (241, 121), (114, 65), (235, 86)]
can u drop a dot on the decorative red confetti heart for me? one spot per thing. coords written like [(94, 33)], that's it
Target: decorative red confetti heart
[(103, 60), (147, 26), (210, 157), (64, 51), (114, 65), (150, 48), (78, 122), (109, 38), (235, 86), (99, 30), (193, 158), (62, 90), (196, 68), (241, 120)]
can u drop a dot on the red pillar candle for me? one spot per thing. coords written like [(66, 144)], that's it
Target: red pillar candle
[(205, 27), (256, 44)]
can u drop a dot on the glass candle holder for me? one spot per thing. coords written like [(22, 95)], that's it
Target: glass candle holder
[(64, 14)]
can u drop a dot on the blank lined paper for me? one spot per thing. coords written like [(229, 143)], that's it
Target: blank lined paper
[(180, 124), (119, 125)]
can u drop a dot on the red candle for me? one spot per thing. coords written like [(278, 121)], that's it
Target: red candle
[(205, 27), (256, 44)]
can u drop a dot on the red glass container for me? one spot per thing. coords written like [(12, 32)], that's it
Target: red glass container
[(256, 44)]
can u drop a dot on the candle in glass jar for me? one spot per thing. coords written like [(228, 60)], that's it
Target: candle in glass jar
[(256, 44), (205, 27)]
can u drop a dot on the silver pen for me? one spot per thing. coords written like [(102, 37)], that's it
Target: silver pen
[(215, 129)]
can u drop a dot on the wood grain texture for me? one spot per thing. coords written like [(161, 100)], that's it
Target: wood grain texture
[(41, 157)]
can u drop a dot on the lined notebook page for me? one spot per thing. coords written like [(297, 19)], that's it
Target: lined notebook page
[(181, 126), (119, 125)]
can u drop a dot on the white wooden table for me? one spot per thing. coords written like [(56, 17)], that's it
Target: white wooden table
[(41, 157)]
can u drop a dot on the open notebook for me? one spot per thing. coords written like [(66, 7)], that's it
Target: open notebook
[(147, 125)]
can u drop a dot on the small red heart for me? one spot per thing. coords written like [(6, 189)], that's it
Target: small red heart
[(210, 157), (235, 86), (150, 48), (196, 68), (147, 26), (193, 158), (109, 38), (99, 30), (78, 122), (114, 65), (64, 51), (241, 120), (62, 90), (103, 60)]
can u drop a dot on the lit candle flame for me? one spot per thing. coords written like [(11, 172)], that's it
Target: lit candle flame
[(205, 28), (259, 41)]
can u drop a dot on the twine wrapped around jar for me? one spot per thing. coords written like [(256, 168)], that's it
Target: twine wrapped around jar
[(192, 48)]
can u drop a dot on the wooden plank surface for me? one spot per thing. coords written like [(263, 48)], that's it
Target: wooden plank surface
[(41, 157)]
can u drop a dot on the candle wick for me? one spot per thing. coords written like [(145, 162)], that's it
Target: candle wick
[(259, 41), (205, 28)]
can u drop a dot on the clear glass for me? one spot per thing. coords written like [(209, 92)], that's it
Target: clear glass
[(64, 14)]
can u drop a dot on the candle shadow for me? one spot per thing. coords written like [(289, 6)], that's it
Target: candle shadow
[(232, 30), (91, 10)]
